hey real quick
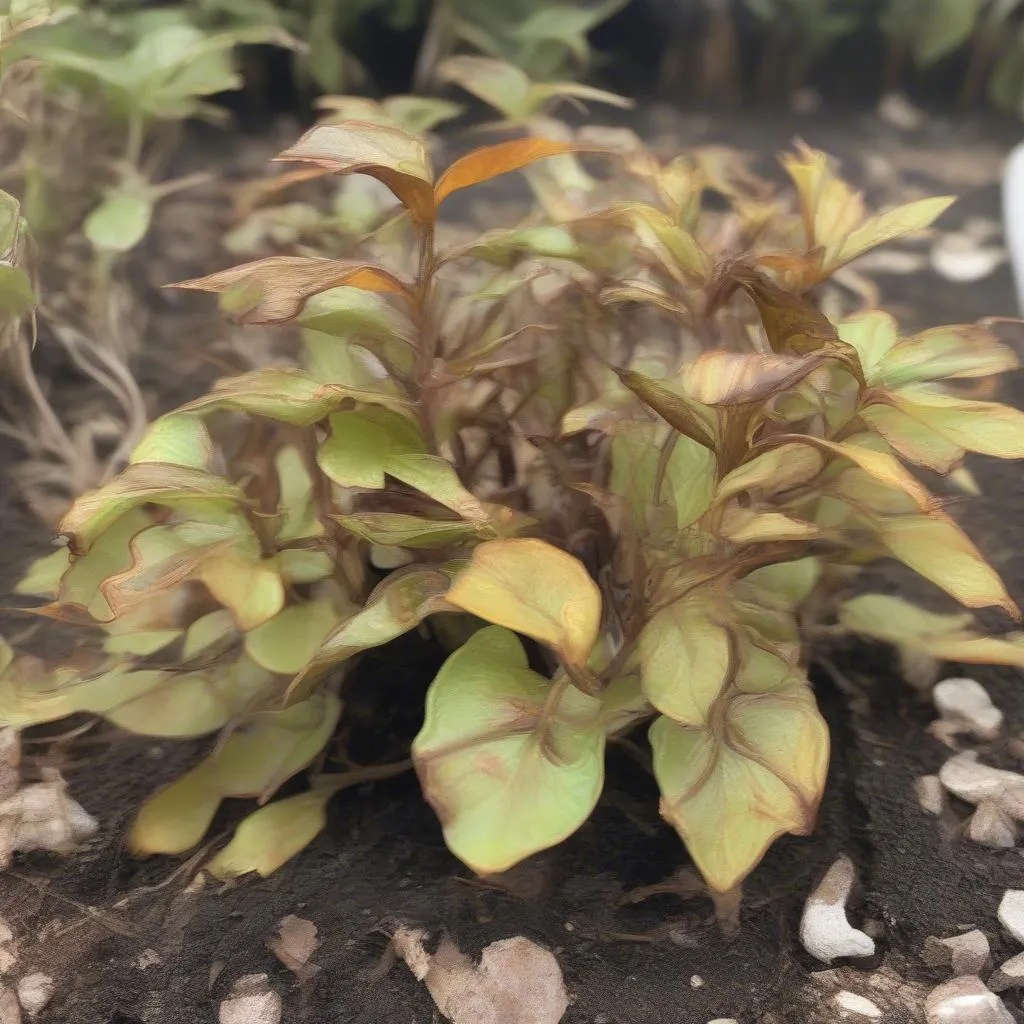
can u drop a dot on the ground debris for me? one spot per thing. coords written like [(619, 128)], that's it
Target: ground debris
[(252, 1001), (516, 981), (965, 706), (965, 1001), (293, 944)]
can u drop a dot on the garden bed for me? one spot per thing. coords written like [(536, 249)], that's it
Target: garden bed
[(132, 941)]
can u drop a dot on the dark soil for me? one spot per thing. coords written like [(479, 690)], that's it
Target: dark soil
[(126, 941)]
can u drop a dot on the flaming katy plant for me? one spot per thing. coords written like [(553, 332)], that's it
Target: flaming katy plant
[(619, 434)]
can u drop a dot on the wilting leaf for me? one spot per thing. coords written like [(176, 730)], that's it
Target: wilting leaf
[(943, 353), (285, 643), (793, 581), (178, 439), (382, 151), (674, 247), (685, 655), (681, 412), (392, 529), (120, 222), (731, 797), (733, 378), (274, 834), (274, 290), (285, 394), (505, 780), (890, 618), (500, 585), (366, 445), (139, 484), (935, 430), (937, 549), (774, 472), (400, 603), (176, 818), (491, 161), (745, 526)]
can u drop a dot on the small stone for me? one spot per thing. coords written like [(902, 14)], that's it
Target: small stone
[(974, 782), (966, 703), (1008, 975), (825, 931), (991, 826), (696, 981), (10, 1008), (930, 794), (34, 992), (724, 1020), (853, 1003), (965, 1001), (965, 954), (252, 1001), (896, 109), (1011, 913)]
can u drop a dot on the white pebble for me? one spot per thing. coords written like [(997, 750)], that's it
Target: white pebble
[(930, 794), (252, 1001), (853, 1003), (965, 1001), (825, 931), (10, 1008), (974, 782), (1008, 975), (966, 702), (991, 826), (34, 992), (1011, 913)]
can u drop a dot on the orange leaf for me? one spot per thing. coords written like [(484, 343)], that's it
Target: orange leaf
[(274, 290), (383, 151), (491, 161)]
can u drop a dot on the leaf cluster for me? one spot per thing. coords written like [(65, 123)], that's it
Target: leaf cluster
[(619, 434)]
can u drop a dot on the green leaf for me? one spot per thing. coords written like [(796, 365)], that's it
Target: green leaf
[(142, 483), (304, 565), (506, 779), (209, 631), (500, 585), (400, 603), (284, 394), (178, 439), (248, 585), (285, 643), (945, 26), (271, 836), (499, 84), (120, 222), (686, 659), (730, 797), (299, 518), (17, 296), (873, 334), (772, 473), (43, 576), (945, 353), (367, 444)]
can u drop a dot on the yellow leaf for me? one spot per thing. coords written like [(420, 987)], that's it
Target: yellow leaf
[(686, 659), (251, 589), (884, 227), (745, 526), (285, 643), (501, 584)]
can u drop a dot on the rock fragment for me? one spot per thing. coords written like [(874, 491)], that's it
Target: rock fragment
[(825, 931), (252, 1001), (293, 944), (1008, 975), (965, 706), (930, 794), (965, 1001), (41, 816), (964, 954), (964, 776), (1011, 913), (857, 1005), (992, 826), (34, 992)]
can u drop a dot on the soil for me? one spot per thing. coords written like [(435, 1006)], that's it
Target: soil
[(131, 942)]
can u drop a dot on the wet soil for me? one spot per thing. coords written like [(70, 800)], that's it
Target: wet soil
[(128, 943)]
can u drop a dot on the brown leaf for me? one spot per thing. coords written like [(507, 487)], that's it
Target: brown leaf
[(491, 161), (293, 944), (383, 151), (676, 410), (274, 290)]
